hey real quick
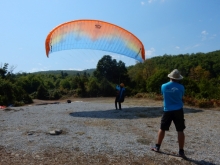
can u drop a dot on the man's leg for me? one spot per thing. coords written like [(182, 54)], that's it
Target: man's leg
[(116, 104), (164, 125), (179, 122), (161, 134), (181, 139), (119, 104)]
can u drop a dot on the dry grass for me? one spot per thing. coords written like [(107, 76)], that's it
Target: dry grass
[(55, 156)]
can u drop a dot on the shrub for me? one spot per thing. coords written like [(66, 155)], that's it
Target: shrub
[(205, 103), (42, 93), (149, 96), (189, 101), (18, 103)]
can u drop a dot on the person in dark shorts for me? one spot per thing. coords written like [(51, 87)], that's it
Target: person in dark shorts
[(173, 93)]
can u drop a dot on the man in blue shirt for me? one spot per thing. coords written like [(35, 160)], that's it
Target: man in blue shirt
[(172, 92)]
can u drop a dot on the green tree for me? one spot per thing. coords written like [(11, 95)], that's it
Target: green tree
[(108, 68), (191, 87), (65, 83), (155, 81), (93, 88), (42, 93), (6, 92), (199, 73), (3, 70), (208, 90)]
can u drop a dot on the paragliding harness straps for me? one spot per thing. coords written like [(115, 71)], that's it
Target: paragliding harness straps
[(121, 93), (138, 53)]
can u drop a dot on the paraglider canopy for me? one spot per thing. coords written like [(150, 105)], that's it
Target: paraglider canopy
[(97, 35)]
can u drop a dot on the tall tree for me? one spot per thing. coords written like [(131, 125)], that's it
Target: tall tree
[(110, 69), (3, 70)]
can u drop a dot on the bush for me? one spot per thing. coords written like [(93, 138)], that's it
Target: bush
[(42, 93), (18, 103), (148, 96), (189, 101), (205, 103), (27, 99), (54, 94), (156, 80)]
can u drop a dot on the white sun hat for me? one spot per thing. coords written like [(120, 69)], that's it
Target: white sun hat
[(175, 74)]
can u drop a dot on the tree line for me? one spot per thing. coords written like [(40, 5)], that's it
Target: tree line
[(201, 72)]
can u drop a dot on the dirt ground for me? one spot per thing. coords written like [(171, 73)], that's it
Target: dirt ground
[(58, 157), (128, 101)]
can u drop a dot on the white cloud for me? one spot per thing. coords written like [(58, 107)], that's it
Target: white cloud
[(197, 45), (213, 36), (204, 35), (191, 47), (36, 70), (177, 47), (40, 67), (150, 1), (204, 32), (78, 69), (150, 53), (142, 3)]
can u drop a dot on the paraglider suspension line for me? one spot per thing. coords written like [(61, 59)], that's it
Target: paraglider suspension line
[(138, 53)]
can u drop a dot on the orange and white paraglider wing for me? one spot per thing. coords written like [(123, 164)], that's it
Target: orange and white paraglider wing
[(97, 35)]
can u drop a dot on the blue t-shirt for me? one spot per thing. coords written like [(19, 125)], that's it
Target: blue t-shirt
[(172, 94)]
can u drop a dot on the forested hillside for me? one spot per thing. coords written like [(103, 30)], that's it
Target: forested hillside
[(201, 73), (68, 72)]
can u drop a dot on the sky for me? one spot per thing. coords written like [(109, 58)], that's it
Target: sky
[(163, 26)]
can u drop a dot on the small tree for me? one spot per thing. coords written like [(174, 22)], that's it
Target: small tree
[(3, 70), (6, 92), (93, 87), (108, 68), (42, 93), (65, 83), (155, 81)]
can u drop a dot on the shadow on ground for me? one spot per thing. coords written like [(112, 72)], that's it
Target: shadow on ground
[(127, 113), (190, 160)]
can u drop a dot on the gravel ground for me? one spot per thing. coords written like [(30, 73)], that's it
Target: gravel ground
[(96, 133)]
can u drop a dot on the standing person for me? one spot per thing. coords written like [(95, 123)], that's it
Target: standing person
[(172, 92), (120, 95)]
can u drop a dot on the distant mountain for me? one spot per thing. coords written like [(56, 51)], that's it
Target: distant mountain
[(69, 72)]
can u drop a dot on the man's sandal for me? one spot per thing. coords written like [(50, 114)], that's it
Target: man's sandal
[(155, 148)]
